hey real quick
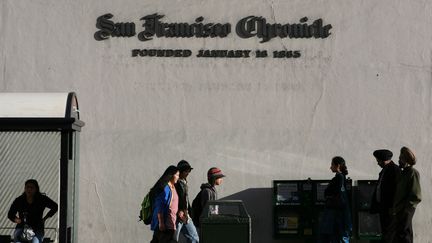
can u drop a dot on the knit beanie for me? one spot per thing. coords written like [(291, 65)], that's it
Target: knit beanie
[(214, 173)]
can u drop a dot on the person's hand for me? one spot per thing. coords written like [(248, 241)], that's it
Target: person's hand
[(182, 216), (17, 221)]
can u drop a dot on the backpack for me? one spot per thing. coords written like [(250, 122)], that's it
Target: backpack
[(146, 211), (196, 209)]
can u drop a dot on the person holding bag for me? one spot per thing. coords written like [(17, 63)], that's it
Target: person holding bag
[(165, 206), (27, 212), (335, 223)]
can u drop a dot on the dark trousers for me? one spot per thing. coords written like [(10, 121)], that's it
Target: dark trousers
[(387, 227), (323, 238), (404, 230), (166, 236)]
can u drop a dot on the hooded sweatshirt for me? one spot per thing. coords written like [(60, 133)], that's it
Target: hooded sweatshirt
[(208, 193)]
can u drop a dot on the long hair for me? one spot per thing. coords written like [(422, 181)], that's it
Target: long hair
[(338, 160), (36, 185), (164, 179)]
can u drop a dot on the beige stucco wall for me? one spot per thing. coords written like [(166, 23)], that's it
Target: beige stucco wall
[(367, 86)]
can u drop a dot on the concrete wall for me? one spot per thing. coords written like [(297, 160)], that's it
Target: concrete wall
[(367, 86)]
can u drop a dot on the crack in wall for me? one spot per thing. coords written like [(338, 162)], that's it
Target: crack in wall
[(312, 124), (273, 16), (102, 209)]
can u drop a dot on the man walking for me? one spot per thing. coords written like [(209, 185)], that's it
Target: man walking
[(184, 221), (383, 196)]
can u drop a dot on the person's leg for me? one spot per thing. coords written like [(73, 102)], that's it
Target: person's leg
[(390, 233), (179, 228), (411, 231), (198, 231), (324, 238), (345, 238), (404, 226), (155, 237), (336, 238), (17, 234), (385, 222), (38, 238), (410, 237), (167, 236), (190, 233)]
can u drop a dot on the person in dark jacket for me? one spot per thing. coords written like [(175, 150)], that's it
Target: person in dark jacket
[(384, 194), (27, 211), (335, 224), (208, 192), (185, 224), (408, 195)]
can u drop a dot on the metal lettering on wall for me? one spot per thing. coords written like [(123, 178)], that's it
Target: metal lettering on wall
[(248, 27)]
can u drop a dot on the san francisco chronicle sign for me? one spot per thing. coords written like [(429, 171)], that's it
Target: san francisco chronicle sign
[(248, 27)]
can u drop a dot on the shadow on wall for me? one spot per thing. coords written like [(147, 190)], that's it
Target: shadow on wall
[(258, 203)]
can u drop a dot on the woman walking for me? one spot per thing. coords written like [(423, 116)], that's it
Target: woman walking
[(335, 225), (165, 206)]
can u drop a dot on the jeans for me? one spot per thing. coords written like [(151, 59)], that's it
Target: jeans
[(38, 238), (188, 230)]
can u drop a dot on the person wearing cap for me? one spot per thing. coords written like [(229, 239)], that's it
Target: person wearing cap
[(384, 194), (208, 190), (408, 195), (185, 224)]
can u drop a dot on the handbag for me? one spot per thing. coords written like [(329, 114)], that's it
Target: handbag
[(27, 233)]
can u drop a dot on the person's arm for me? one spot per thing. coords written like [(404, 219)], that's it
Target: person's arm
[(161, 221), (182, 204), (393, 178), (415, 189), (340, 182), (334, 187), (158, 209), (53, 206), (205, 197), (163, 201), (13, 210)]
